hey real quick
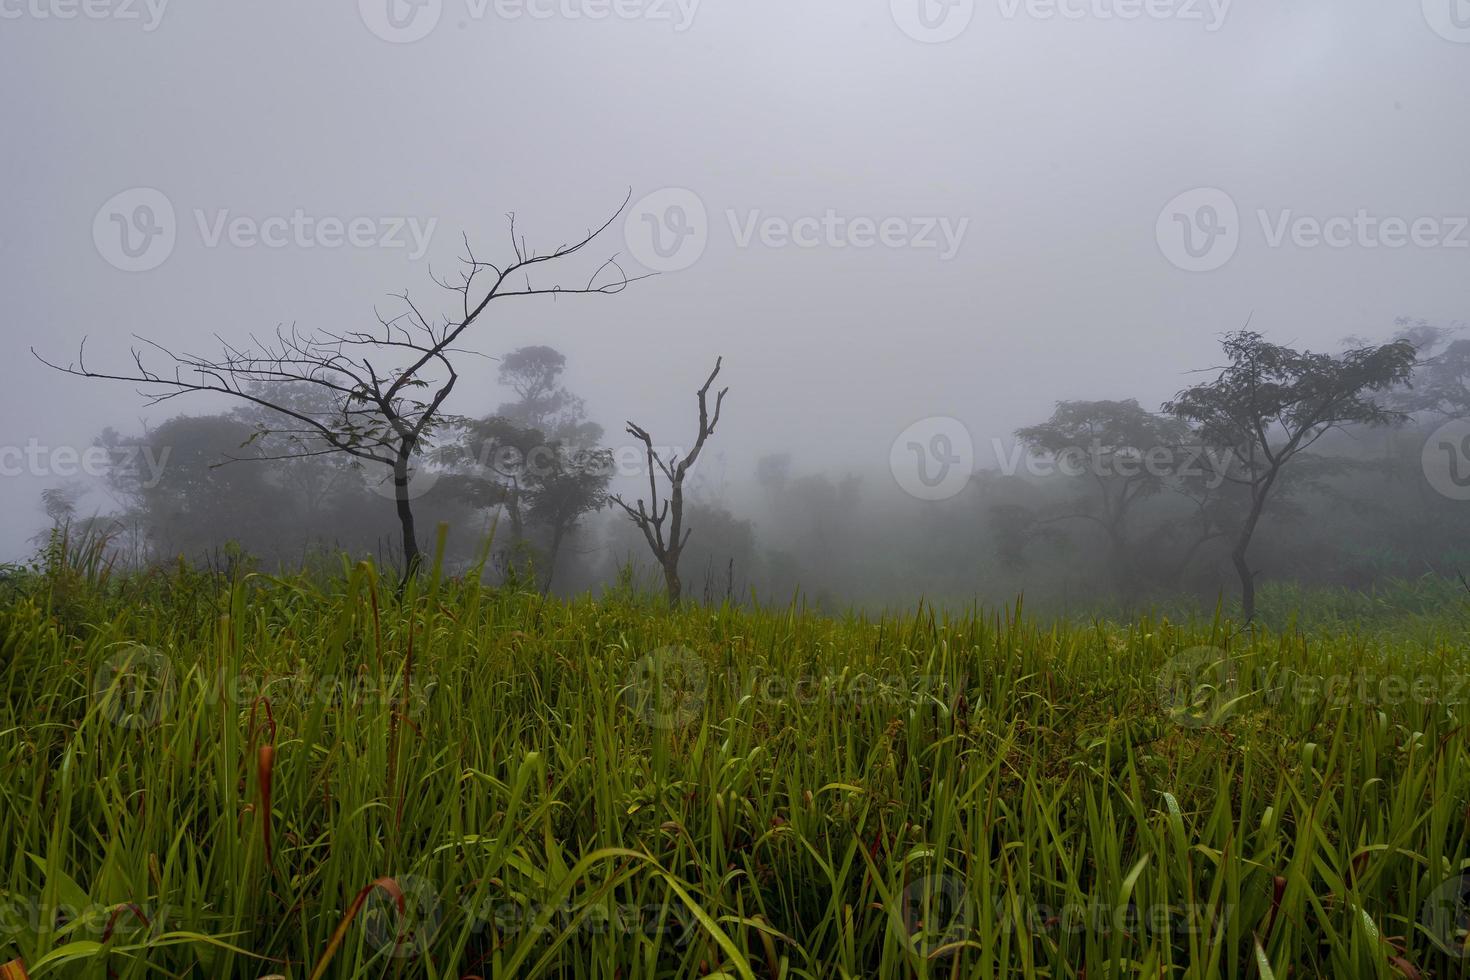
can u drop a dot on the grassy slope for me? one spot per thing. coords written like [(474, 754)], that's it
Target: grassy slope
[(605, 789)]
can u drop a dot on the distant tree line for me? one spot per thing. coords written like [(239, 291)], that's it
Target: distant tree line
[(1279, 465)]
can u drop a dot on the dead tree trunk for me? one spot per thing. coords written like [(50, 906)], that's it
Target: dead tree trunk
[(651, 515)]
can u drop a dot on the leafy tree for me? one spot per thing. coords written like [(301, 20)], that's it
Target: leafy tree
[(1403, 510), (174, 491), (1123, 452), (543, 402), (565, 485), (1269, 404), (1440, 385), (536, 459), (193, 483)]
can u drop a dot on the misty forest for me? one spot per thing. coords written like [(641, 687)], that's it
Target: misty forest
[(1310, 466), (561, 488)]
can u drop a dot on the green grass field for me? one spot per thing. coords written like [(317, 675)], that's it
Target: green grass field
[(285, 778)]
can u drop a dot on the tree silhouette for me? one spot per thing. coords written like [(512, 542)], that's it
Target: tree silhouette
[(650, 516), (386, 386), (1270, 404), (1113, 444)]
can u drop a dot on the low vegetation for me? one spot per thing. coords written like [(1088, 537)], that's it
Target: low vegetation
[(259, 777)]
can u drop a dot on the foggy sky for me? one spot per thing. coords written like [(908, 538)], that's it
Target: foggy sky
[(1059, 139)]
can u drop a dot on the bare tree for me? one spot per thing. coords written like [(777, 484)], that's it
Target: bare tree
[(650, 516), (386, 386)]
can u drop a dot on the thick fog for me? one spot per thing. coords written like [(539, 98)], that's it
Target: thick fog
[(877, 214)]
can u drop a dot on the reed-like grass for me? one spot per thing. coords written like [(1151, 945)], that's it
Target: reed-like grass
[(275, 777)]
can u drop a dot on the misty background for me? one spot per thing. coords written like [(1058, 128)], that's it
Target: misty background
[(1051, 146)]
